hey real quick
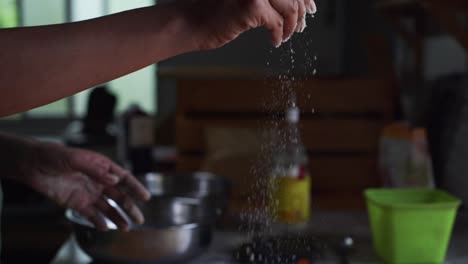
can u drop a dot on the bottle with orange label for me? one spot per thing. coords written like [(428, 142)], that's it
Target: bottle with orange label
[(291, 181)]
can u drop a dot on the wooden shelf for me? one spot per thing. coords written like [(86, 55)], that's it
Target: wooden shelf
[(239, 73), (405, 5)]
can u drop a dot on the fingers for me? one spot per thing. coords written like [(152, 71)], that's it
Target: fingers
[(275, 23), (111, 213), (301, 19), (292, 18), (310, 7), (93, 211), (289, 12), (93, 215), (104, 171), (131, 183), (127, 204)]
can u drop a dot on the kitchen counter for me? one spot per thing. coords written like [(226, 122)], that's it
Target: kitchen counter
[(323, 224)]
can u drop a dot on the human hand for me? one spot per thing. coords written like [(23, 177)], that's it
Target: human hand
[(217, 22), (81, 180)]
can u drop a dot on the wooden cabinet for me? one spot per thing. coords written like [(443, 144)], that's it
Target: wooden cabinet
[(340, 126)]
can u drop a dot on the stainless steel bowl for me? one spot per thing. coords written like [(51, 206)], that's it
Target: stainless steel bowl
[(172, 233), (211, 190)]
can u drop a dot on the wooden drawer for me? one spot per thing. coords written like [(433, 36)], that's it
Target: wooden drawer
[(345, 173), (318, 135), (255, 96)]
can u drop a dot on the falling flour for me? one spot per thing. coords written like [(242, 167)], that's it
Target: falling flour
[(260, 219)]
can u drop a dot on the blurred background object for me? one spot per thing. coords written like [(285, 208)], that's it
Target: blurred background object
[(136, 140), (96, 127), (404, 159)]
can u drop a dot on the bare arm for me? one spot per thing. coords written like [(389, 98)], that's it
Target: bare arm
[(39, 65), (43, 64)]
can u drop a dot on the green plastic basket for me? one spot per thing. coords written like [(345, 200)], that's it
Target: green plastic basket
[(411, 225)]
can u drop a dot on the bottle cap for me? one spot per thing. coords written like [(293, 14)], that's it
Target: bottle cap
[(292, 115)]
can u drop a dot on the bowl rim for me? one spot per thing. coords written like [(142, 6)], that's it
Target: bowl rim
[(373, 195), (83, 222), (76, 218)]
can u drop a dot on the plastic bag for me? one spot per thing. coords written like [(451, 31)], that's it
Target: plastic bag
[(404, 159)]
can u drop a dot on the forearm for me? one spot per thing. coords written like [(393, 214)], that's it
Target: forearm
[(17, 157), (43, 64)]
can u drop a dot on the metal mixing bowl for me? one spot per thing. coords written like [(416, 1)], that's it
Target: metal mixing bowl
[(172, 233), (211, 190)]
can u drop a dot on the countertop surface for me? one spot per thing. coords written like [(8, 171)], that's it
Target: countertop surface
[(330, 224)]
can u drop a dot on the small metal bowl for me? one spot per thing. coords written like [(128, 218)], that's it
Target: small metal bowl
[(211, 190), (172, 233)]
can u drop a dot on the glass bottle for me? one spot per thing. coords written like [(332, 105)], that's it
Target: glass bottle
[(136, 140), (290, 174)]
